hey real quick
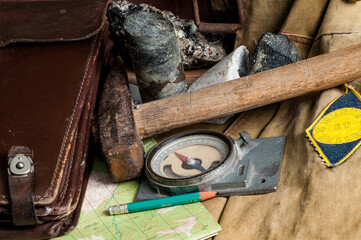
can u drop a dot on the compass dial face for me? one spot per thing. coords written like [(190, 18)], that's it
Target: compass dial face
[(189, 156)]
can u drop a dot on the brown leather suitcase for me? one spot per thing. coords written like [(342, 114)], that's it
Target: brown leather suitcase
[(51, 53)]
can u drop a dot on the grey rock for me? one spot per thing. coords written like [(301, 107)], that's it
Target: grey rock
[(273, 51)]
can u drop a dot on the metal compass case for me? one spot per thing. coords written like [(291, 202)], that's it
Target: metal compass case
[(204, 160)]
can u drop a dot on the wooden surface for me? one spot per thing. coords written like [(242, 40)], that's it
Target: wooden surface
[(315, 74)]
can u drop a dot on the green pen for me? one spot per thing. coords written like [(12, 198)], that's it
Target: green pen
[(161, 202)]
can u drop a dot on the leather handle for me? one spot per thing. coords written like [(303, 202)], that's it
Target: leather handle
[(21, 181)]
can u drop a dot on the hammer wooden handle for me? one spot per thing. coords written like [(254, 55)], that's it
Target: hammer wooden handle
[(121, 127), (307, 76)]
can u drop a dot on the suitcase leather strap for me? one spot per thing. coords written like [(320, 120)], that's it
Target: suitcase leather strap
[(21, 181)]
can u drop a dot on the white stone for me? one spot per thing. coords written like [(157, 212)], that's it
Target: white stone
[(231, 67)]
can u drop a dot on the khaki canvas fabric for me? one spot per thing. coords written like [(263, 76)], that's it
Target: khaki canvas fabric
[(297, 19), (262, 16), (312, 201), (341, 27), (302, 23)]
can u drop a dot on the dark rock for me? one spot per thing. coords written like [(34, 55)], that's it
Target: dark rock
[(273, 51), (155, 55)]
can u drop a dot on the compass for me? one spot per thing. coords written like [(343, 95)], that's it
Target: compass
[(204, 160), (188, 156)]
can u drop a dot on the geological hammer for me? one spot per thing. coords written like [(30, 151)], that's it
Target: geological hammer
[(122, 126)]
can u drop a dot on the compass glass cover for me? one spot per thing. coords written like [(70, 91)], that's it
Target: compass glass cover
[(189, 156)]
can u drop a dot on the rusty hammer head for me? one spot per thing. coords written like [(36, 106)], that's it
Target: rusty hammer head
[(121, 144)]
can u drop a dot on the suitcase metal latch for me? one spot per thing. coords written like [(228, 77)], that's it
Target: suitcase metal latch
[(20, 165)]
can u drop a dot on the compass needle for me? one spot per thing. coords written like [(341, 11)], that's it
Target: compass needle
[(181, 157), (191, 161), (189, 156), (199, 166)]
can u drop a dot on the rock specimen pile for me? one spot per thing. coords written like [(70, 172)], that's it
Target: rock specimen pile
[(197, 50)]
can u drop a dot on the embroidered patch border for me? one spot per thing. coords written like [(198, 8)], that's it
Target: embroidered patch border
[(336, 132)]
